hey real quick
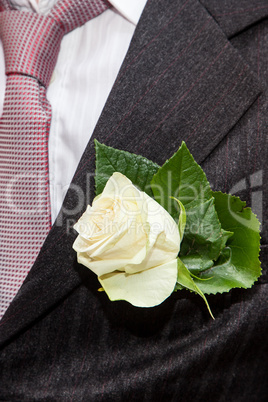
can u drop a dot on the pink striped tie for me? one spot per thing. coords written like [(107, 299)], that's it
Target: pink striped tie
[(31, 44)]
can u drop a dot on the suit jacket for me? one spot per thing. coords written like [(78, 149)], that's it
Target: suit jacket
[(195, 71)]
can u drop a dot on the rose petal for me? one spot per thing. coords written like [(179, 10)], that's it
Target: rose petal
[(160, 220), (160, 252), (101, 267), (144, 289), (125, 243), (83, 245), (114, 253), (120, 185)]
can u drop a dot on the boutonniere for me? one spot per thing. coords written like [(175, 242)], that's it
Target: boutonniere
[(154, 230)]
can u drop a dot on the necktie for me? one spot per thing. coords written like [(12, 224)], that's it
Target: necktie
[(31, 45)]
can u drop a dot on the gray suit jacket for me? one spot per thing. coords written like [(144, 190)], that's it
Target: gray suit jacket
[(198, 72)]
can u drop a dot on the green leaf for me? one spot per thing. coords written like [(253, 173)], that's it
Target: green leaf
[(203, 234), (182, 218), (137, 168), (238, 265), (184, 279), (182, 178), (197, 263)]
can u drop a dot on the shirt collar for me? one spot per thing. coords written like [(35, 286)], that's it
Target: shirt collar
[(130, 9)]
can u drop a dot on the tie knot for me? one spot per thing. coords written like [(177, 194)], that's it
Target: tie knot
[(31, 43)]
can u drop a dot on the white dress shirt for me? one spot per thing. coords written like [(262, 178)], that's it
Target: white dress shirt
[(88, 63)]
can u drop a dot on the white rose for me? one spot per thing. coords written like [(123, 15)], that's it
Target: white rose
[(130, 242)]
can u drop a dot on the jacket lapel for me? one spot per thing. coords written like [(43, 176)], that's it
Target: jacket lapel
[(181, 80), (235, 16)]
